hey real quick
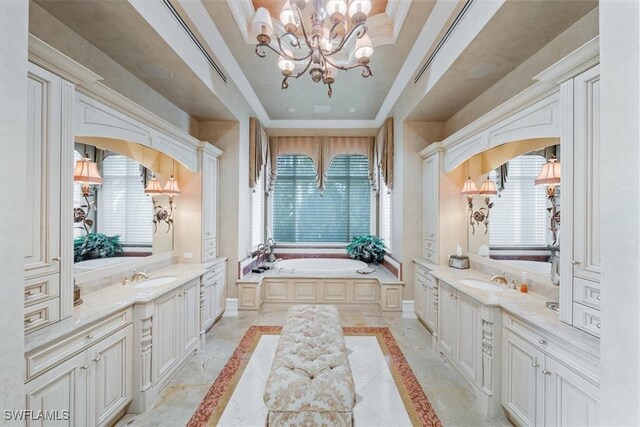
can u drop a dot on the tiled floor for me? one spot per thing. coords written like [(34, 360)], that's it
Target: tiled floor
[(452, 401)]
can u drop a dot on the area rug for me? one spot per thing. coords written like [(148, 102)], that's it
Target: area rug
[(418, 407)]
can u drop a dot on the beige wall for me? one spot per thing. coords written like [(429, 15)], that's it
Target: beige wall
[(226, 136), (13, 132), (522, 77), (55, 33)]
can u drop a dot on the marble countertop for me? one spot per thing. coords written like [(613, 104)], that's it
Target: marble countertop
[(104, 302), (528, 307), (381, 274)]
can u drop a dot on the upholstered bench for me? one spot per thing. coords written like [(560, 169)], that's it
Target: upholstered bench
[(310, 383)]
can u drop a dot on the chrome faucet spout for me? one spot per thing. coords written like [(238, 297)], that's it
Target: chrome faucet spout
[(500, 278)]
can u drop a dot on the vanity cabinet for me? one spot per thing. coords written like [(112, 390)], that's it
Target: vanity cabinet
[(467, 334), (538, 389), (91, 387), (48, 228), (209, 204), (212, 297), (580, 239)]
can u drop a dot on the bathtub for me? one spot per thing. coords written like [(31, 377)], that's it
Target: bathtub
[(331, 266), (92, 264)]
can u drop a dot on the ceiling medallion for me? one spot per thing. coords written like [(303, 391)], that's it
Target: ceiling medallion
[(318, 47)]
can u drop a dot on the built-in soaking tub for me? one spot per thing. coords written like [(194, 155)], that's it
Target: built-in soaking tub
[(320, 266)]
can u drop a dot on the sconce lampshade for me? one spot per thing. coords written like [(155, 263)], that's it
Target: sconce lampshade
[(86, 172), (172, 187), (550, 173), (488, 188), (469, 188), (153, 186)]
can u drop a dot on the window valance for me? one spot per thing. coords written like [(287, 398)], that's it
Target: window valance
[(258, 145), (384, 152), (321, 151)]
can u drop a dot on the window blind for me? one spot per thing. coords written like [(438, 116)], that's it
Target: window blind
[(257, 213), (519, 216), (301, 214), (385, 214), (123, 207)]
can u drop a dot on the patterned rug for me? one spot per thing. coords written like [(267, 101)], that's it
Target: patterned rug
[(415, 401)]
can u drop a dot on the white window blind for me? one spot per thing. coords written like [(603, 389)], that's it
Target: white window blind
[(123, 207), (519, 216), (385, 214), (301, 214), (257, 213)]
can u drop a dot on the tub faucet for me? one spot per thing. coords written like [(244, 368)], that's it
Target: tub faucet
[(500, 278)]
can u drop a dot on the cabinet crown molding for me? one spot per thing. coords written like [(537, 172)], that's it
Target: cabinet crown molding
[(581, 59)]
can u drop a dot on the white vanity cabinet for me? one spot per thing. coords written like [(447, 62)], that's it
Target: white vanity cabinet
[(545, 383), (580, 240), (426, 298), (212, 297), (209, 203), (467, 334), (87, 377), (167, 333), (48, 228)]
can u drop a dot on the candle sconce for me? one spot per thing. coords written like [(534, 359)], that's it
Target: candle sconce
[(481, 215), (162, 214), (86, 173), (550, 176)]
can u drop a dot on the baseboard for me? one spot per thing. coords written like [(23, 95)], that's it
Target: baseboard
[(231, 308), (408, 309)]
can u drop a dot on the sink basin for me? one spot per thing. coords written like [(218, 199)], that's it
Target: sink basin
[(156, 281), (481, 284)]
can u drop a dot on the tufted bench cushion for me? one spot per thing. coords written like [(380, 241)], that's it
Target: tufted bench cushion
[(310, 382)]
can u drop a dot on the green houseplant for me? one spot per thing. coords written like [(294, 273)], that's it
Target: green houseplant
[(96, 245), (367, 248)]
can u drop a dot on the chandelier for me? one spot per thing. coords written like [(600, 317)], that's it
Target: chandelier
[(316, 48)]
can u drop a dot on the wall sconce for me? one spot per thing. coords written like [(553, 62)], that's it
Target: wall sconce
[(550, 176), (160, 213), (86, 173), (481, 216)]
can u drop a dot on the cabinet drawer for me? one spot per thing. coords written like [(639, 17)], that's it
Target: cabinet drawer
[(210, 249), (38, 316), (430, 255), (586, 318), (424, 275), (45, 358), (585, 364), (586, 292), (41, 289)]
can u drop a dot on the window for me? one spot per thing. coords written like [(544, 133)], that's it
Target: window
[(519, 217), (123, 207), (257, 213), (385, 214), (301, 214)]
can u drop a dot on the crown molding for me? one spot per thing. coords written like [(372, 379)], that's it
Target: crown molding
[(581, 59)]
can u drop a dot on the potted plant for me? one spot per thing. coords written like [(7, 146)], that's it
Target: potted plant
[(367, 248), (96, 245)]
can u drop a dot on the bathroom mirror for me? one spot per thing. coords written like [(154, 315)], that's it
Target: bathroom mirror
[(513, 215), (115, 220)]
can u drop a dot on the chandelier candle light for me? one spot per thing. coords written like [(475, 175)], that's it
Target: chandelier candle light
[(317, 48)]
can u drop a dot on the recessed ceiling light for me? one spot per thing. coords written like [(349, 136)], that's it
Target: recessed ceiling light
[(156, 71), (291, 109), (353, 110), (481, 70)]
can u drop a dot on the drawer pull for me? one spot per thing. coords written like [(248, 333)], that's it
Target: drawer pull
[(29, 320), (598, 297), (85, 367), (544, 371), (97, 358), (598, 325), (535, 364), (89, 337), (574, 262), (56, 258), (543, 342), (31, 292)]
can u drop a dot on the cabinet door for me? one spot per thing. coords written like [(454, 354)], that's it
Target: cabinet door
[(418, 296), (447, 320), (209, 195), (468, 335), (190, 319), (570, 400), (586, 172), (42, 192), (208, 305), (221, 295), (430, 306), (113, 379), (62, 390), (165, 348), (431, 184), (521, 365)]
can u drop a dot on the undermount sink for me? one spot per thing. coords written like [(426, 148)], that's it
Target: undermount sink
[(481, 284), (156, 281)]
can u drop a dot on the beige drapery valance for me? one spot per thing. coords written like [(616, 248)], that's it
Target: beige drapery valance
[(257, 150), (321, 151), (384, 152)]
